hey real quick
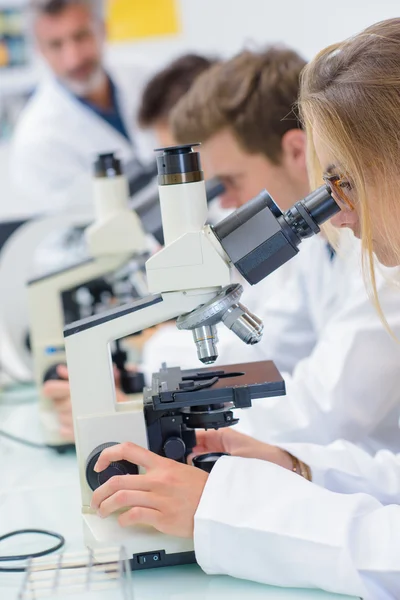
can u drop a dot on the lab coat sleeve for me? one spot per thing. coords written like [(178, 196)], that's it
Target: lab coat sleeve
[(346, 468), (288, 331), (345, 388), (257, 521)]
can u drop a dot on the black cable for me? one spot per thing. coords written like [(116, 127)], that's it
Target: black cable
[(57, 546), (19, 440)]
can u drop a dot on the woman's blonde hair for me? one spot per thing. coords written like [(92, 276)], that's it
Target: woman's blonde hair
[(350, 98)]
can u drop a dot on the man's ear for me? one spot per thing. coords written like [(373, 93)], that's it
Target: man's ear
[(294, 148)]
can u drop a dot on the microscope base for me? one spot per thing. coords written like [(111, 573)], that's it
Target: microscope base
[(145, 547), (159, 558)]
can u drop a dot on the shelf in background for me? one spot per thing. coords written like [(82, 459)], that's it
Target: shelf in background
[(18, 80)]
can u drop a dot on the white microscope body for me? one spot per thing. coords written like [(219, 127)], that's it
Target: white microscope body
[(189, 279), (188, 272), (112, 240)]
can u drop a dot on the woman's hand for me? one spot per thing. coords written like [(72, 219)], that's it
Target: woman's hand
[(58, 390), (237, 444), (166, 497)]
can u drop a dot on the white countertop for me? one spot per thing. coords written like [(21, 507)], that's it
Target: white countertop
[(39, 489)]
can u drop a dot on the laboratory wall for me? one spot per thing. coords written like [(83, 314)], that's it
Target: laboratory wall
[(225, 26), (216, 27)]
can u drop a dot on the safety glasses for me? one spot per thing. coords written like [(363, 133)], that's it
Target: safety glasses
[(338, 187)]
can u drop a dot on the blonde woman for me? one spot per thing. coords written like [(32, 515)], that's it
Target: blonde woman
[(251, 518)]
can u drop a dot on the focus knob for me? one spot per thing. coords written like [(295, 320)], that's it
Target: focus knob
[(120, 467), (174, 448)]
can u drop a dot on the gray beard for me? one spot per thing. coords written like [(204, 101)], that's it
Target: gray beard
[(82, 89)]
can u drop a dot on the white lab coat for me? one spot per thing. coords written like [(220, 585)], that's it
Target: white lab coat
[(348, 386), (258, 521), (345, 468), (339, 364), (58, 138)]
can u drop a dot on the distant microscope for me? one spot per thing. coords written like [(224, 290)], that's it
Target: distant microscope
[(17, 261), (190, 281), (115, 237)]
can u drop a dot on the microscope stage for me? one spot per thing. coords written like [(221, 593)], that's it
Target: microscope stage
[(240, 383)]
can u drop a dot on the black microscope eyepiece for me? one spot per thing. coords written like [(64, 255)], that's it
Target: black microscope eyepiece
[(179, 164), (306, 216), (107, 166), (259, 237)]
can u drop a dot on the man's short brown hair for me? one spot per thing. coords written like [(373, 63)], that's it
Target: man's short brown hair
[(254, 95), (167, 87)]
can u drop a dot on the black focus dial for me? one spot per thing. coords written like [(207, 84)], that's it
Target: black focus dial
[(120, 467), (174, 448)]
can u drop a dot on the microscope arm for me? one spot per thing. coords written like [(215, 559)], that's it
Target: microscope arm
[(97, 416)]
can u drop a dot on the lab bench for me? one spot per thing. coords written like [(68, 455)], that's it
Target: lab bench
[(40, 489)]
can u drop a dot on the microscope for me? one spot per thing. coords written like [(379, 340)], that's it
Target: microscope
[(115, 237), (189, 280), (113, 273), (20, 242)]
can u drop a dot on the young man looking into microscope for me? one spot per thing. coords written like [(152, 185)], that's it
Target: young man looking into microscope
[(320, 327)]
